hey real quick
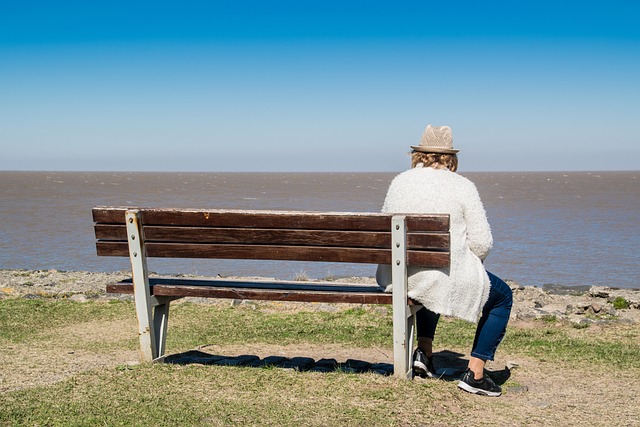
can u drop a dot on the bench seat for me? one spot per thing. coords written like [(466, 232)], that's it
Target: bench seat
[(265, 290)]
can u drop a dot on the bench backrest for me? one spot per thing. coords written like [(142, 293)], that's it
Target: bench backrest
[(274, 235)]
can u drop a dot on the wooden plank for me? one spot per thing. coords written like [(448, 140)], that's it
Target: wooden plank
[(269, 252), (266, 284), (282, 253), (260, 236), (269, 219), (288, 237), (281, 295), (273, 219), (431, 240), (427, 222), (111, 248), (111, 231), (263, 290), (108, 214)]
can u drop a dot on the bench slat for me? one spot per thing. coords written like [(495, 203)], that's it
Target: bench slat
[(262, 290), (274, 252), (430, 240), (273, 219)]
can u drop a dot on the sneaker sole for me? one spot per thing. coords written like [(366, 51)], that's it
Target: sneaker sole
[(466, 387), (421, 370)]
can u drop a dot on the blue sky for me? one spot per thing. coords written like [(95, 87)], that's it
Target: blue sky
[(317, 86)]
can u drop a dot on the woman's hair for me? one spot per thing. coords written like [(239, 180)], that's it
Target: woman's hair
[(435, 160)]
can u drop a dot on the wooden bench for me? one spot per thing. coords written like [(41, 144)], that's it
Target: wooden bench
[(371, 238)]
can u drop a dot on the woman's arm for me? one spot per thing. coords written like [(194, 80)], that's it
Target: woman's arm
[(479, 236)]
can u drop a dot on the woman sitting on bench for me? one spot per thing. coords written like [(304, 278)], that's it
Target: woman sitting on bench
[(464, 290)]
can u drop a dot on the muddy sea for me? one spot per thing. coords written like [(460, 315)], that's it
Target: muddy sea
[(566, 228)]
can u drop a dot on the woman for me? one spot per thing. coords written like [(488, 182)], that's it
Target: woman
[(465, 289)]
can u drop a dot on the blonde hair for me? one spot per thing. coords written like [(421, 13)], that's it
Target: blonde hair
[(435, 160)]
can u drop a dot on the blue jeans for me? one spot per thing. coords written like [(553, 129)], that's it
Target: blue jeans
[(491, 327)]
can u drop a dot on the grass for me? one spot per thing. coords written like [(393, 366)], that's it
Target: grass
[(23, 320), (621, 303), (206, 395), (197, 395)]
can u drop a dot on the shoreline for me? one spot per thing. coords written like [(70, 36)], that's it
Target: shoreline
[(579, 306)]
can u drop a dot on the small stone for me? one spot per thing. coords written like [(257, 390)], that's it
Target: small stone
[(599, 292), (515, 286), (555, 289), (596, 307), (78, 298), (525, 316), (512, 365), (517, 389)]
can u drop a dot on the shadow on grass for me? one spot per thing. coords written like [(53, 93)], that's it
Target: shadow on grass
[(449, 365), (306, 364)]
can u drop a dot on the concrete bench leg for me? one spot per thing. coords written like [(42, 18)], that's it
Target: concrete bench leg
[(403, 314), (160, 324), (152, 312)]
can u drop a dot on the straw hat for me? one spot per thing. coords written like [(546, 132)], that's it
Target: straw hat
[(436, 139)]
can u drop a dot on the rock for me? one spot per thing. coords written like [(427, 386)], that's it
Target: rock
[(517, 389), (576, 309), (555, 289), (515, 286), (599, 292), (596, 307), (526, 316), (512, 365), (78, 298)]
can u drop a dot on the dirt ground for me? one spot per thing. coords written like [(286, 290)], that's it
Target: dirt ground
[(546, 393)]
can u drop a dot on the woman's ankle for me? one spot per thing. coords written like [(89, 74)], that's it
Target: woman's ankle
[(477, 367)]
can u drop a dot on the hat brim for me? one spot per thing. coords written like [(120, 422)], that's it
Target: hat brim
[(434, 150)]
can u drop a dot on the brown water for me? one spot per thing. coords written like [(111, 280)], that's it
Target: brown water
[(570, 228)]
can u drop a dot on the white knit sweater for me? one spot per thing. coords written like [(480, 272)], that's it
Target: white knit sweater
[(462, 289)]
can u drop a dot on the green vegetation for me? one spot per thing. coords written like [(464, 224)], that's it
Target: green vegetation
[(549, 318), (121, 394), (620, 302), (23, 320), (198, 395)]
